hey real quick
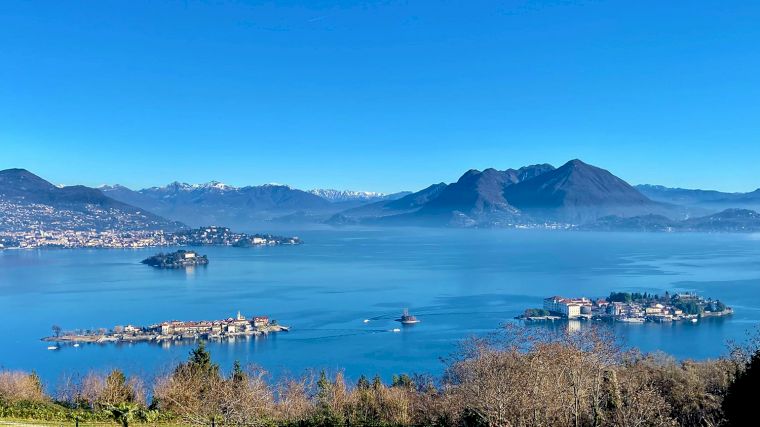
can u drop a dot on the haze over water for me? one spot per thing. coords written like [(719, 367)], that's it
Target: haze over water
[(458, 282)]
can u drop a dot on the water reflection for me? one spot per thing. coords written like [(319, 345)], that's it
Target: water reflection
[(573, 325)]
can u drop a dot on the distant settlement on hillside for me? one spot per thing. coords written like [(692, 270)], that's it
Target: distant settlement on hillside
[(629, 308), (174, 330), (204, 236)]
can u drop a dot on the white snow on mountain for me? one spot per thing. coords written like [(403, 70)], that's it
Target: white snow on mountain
[(346, 195)]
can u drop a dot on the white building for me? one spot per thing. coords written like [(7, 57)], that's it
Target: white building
[(567, 307)]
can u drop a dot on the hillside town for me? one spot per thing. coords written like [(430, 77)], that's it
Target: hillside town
[(173, 330), (629, 308), (38, 237)]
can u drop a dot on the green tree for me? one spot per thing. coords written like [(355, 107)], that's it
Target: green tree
[(377, 383), (238, 375), (402, 381), (363, 383), (123, 413), (200, 360)]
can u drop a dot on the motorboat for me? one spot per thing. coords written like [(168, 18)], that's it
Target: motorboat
[(407, 319)]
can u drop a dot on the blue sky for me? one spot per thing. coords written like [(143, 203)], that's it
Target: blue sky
[(380, 96)]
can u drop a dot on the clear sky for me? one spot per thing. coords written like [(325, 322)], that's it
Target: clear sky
[(380, 96)]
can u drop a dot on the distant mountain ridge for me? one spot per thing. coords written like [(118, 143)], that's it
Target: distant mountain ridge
[(29, 201), (575, 195), (217, 203), (350, 195), (727, 221), (707, 201)]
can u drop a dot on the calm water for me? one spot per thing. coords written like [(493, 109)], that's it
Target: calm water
[(458, 282)]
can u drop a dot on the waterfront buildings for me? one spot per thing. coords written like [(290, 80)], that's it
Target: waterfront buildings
[(173, 330), (632, 308), (570, 308)]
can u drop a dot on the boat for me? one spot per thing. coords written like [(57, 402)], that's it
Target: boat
[(366, 320), (407, 319), (76, 345), (53, 347), (694, 320), (632, 320), (396, 330)]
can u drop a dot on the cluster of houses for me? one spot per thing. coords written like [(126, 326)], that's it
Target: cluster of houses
[(174, 330), (683, 306), (39, 236), (238, 325)]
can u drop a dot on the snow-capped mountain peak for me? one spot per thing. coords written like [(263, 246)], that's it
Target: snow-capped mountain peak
[(216, 185), (346, 195)]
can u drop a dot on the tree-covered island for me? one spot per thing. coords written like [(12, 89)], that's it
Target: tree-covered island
[(179, 259)]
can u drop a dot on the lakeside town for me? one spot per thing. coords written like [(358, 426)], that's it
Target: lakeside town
[(172, 330), (629, 308), (119, 239)]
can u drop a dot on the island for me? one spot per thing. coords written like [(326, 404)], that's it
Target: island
[(173, 330), (179, 259), (630, 308)]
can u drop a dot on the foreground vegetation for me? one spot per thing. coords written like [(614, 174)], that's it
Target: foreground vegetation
[(518, 377)]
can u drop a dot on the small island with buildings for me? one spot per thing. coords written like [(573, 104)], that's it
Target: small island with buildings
[(179, 259), (173, 330), (630, 308)]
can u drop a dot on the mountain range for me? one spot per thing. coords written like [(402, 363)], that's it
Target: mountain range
[(28, 201), (339, 196), (575, 194), (701, 200)]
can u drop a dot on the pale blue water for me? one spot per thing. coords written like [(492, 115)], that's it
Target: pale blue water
[(458, 282)]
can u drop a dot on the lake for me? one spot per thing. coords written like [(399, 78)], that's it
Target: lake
[(459, 283)]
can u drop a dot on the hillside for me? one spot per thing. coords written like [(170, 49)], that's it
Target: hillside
[(576, 193), (217, 203), (28, 201)]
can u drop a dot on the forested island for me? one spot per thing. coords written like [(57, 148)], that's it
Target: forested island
[(178, 259)]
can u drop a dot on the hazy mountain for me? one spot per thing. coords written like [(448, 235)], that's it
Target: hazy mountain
[(218, 203), (577, 192), (477, 198), (702, 202), (681, 196), (372, 211), (727, 221), (28, 200), (649, 222)]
